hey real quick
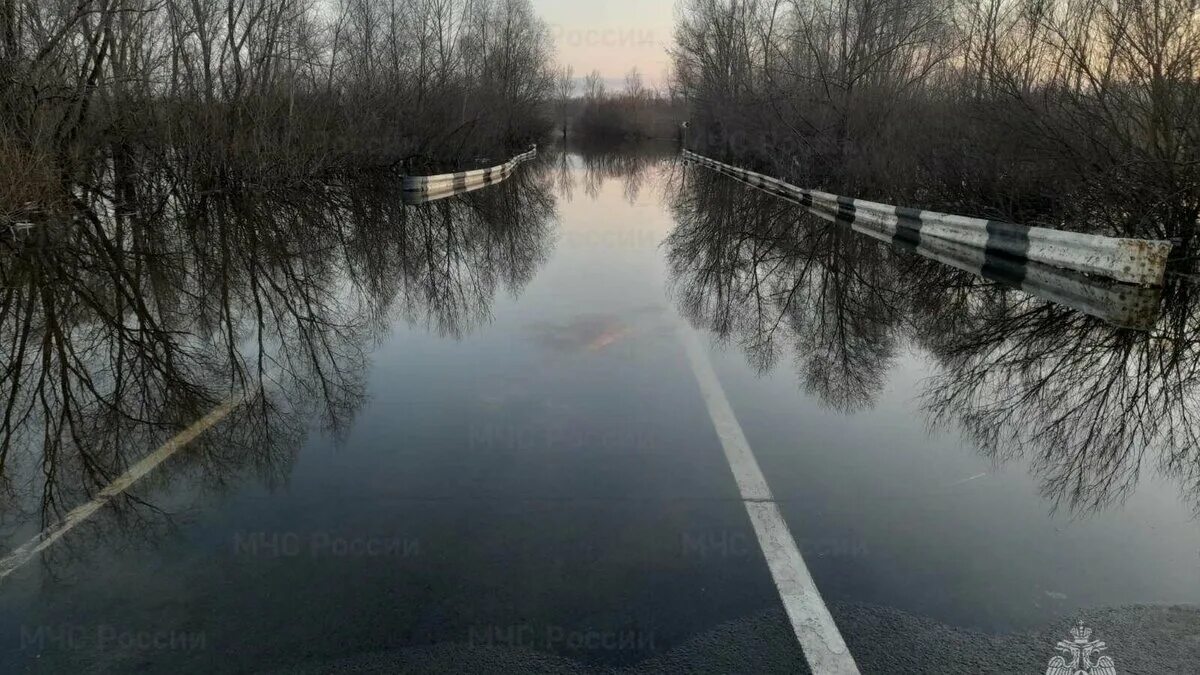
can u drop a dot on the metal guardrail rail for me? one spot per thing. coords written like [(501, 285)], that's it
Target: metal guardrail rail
[(1119, 304), (438, 193), (1133, 261), (419, 189)]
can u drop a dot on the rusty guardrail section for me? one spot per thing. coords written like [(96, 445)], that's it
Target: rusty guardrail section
[(421, 189), (1132, 261)]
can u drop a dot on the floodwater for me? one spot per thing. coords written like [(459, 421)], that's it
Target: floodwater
[(466, 436)]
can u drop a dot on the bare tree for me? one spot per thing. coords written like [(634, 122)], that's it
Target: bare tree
[(1071, 113), (270, 89), (593, 86), (564, 91)]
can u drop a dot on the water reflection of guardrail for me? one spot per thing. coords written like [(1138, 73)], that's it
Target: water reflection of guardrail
[(1119, 304), (1092, 408), (356, 262), (422, 189), (1134, 261)]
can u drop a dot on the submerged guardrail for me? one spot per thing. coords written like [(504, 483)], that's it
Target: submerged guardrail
[(438, 193), (1134, 261), (421, 189), (1119, 304)]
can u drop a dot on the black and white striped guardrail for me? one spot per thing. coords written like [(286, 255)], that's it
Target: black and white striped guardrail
[(1134, 261), (1116, 303), (419, 189), (437, 193), (1123, 305)]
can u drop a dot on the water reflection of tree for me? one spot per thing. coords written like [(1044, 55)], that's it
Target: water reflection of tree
[(127, 322), (755, 271), (1089, 405), (564, 174), (632, 164)]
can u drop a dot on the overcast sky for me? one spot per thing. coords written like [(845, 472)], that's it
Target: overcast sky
[(611, 36)]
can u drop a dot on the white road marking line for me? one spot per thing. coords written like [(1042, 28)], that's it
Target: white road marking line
[(52, 534), (819, 638), (967, 480)]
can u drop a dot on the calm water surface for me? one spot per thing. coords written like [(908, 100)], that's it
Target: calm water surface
[(479, 443)]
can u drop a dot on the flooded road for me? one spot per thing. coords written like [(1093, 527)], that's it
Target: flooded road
[(469, 437)]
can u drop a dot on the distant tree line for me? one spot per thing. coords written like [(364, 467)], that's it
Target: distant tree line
[(261, 89), (599, 115), (1081, 113)]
